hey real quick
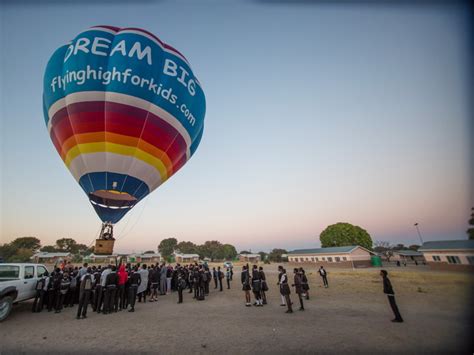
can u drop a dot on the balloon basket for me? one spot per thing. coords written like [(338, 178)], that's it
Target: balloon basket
[(104, 246)]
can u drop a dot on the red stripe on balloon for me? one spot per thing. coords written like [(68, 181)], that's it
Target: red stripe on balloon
[(121, 119)]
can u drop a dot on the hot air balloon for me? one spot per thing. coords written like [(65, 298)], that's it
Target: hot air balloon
[(125, 112)]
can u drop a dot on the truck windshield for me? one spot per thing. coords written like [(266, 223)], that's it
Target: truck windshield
[(8, 272)]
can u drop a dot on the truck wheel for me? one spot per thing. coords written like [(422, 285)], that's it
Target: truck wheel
[(6, 304)]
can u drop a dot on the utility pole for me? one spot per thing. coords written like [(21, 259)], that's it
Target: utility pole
[(419, 234)]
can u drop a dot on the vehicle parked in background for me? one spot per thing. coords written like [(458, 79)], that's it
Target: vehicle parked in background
[(228, 264), (17, 284)]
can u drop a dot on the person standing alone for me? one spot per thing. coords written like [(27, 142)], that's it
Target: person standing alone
[(324, 275), (388, 290)]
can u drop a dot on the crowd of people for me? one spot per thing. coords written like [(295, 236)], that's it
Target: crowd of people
[(256, 281), (110, 289)]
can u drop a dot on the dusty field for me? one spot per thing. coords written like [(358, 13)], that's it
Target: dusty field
[(351, 316)]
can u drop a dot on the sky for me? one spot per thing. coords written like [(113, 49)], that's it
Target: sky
[(317, 113)]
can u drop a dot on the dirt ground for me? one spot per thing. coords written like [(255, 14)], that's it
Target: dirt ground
[(352, 315)]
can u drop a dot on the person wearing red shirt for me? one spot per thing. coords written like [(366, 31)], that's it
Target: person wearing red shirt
[(122, 279)]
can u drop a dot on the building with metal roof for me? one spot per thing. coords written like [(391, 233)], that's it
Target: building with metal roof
[(250, 258), (346, 256), (454, 255), (51, 258), (408, 256)]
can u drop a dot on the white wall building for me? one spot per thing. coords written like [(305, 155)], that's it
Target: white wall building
[(455, 255)]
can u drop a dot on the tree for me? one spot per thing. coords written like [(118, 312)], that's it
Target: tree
[(276, 255), (20, 249), (149, 252), (470, 231), (381, 246), (212, 249), (229, 251), (167, 247), (345, 234), (67, 245), (263, 255), (245, 252), (29, 243), (187, 248), (21, 255), (7, 251), (399, 247)]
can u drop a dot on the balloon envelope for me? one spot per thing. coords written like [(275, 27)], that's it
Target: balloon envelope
[(124, 111)]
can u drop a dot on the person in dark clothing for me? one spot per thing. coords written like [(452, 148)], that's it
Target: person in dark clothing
[(256, 286), (304, 281), (41, 287), (196, 283), (97, 290), (220, 276), (227, 276), (203, 282), (191, 279), (245, 279), (62, 292), (388, 290), (206, 280), (181, 285), (298, 285), (280, 273), (72, 290), (324, 275), (285, 290), (154, 278), (263, 280), (103, 289), (111, 282), (85, 290), (135, 280), (53, 288), (214, 276)]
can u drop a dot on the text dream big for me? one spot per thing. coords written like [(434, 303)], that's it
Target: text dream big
[(99, 44)]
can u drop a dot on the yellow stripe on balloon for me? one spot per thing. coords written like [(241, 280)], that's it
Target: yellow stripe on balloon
[(99, 137), (107, 147)]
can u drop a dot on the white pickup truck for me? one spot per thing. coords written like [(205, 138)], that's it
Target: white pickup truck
[(17, 284)]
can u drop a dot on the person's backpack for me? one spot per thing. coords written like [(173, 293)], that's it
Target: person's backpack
[(50, 283), (40, 284), (87, 282), (57, 281), (64, 286), (204, 277), (73, 282)]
